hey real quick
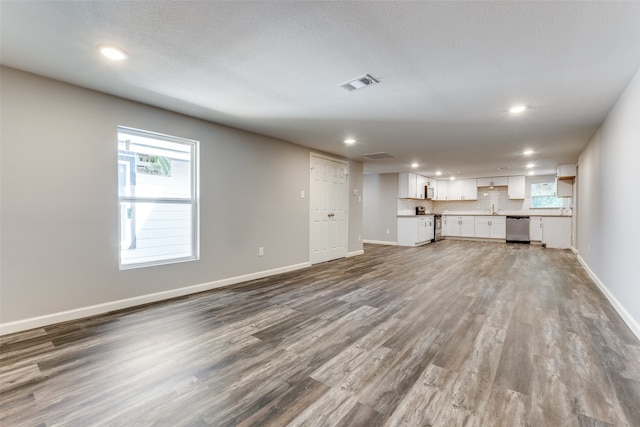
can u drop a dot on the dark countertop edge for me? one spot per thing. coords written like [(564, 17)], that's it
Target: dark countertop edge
[(505, 215), (487, 214)]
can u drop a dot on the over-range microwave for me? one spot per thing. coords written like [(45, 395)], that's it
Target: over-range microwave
[(428, 192)]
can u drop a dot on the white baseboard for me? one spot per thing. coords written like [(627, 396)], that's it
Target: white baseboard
[(355, 253), (628, 319), (380, 242), (78, 313)]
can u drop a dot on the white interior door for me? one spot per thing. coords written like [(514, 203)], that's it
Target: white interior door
[(328, 200)]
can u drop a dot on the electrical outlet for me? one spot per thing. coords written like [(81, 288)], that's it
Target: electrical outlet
[(260, 251), (302, 194)]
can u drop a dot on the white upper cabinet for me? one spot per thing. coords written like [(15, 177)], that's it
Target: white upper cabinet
[(407, 185), (454, 192), (516, 187), (412, 186), (469, 189), (442, 191), (421, 182), (462, 189), (567, 170), (498, 181)]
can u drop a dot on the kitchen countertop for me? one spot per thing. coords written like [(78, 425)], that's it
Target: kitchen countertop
[(507, 213), (465, 213)]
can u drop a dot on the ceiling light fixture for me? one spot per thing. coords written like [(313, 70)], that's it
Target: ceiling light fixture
[(113, 53), (349, 141), (530, 165), (414, 165), (438, 173), (517, 109), (527, 152), (532, 173), (453, 178)]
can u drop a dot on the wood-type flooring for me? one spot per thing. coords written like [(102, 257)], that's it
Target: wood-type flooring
[(449, 334)]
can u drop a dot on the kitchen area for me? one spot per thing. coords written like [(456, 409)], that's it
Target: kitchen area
[(408, 209)]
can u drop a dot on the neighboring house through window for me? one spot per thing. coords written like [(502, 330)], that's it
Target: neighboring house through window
[(543, 195), (157, 191)]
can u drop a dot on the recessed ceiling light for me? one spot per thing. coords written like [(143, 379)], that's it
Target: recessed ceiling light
[(452, 178), (112, 52), (527, 152), (349, 141), (517, 109), (438, 173), (532, 173), (530, 165), (414, 165)]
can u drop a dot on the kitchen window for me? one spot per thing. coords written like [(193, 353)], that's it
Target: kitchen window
[(157, 192), (543, 195)]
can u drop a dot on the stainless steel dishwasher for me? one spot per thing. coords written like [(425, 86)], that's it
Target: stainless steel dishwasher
[(518, 229)]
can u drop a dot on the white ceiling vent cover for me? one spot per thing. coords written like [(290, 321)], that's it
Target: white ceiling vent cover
[(358, 83), (378, 156)]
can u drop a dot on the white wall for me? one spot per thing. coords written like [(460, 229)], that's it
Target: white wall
[(380, 208), (609, 203), (59, 211)]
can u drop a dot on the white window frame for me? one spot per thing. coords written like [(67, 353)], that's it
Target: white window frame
[(555, 184), (193, 201)]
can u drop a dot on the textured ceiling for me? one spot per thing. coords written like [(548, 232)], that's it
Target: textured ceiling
[(448, 71)]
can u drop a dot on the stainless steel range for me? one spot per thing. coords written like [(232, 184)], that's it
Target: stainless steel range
[(437, 228)]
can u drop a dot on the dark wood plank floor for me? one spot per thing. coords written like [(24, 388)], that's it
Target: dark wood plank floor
[(450, 334)]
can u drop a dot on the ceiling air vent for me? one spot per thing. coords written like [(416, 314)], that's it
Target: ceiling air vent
[(358, 83), (378, 156)]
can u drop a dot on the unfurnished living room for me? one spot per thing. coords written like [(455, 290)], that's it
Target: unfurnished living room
[(310, 213)]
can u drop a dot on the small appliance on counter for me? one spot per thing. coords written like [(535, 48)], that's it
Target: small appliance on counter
[(420, 210)]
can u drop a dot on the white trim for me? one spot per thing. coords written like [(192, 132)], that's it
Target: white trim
[(355, 253), (78, 313), (333, 159), (628, 319), (380, 242)]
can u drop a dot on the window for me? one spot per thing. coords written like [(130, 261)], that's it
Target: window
[(543, 195), (157, 191)]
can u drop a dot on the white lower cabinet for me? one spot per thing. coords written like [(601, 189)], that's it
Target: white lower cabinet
[(459, 226), (491, 227), (414, 231), (535, 228), (556, 232), (552, 231)]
